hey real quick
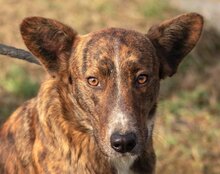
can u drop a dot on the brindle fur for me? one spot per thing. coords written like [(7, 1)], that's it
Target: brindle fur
[(66, 128)]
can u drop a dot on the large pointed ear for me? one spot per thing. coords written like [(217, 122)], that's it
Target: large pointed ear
[(175, 38), (49, 40)]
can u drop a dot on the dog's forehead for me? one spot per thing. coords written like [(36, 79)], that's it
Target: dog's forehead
[(112, 36), (107, 44)]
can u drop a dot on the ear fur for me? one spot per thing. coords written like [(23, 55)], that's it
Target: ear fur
[(49, 40), (175, 38)]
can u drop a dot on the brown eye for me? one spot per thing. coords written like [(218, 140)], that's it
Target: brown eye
[(93, 81), (142, 79)]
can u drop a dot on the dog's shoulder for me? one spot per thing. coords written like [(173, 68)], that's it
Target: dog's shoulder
[(21, 119), (17, 134)]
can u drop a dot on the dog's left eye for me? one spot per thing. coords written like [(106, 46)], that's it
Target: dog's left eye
[(93, 81), (142, 79)]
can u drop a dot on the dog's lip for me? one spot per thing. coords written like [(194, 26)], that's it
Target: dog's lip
[(135, 152), (125, 155), (129, 154), (118, 155)]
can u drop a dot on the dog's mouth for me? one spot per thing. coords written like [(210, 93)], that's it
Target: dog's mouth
[(125, 161)]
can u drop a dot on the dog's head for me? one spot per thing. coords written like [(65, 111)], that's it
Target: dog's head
[(114, 73)]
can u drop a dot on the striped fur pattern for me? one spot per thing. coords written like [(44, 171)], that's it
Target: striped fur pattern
[(100, 83)]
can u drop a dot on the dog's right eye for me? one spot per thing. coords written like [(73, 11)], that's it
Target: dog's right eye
[(93, 81)]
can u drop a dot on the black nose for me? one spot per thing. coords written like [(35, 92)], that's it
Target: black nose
[(123, 143)]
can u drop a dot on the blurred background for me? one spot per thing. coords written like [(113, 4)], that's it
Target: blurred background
[(187, 133)]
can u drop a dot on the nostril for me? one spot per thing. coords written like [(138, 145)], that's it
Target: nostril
[(116, 145), (131, 145), (131, 141), (123, 143), (116, 142)]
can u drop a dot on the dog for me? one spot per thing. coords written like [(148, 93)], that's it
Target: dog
[(95, 112)]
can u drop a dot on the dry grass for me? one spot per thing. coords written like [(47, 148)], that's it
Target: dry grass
[(187, 133)]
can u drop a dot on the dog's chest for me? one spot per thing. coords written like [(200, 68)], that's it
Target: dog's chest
[(124, 171)]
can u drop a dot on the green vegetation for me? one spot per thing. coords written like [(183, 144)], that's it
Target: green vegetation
[(154, 8), (187, 138), (18, 82)]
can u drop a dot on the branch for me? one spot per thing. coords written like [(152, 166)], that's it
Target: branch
[(18, 53)]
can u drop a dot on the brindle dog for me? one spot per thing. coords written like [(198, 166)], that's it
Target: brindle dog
[(95, 113)]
